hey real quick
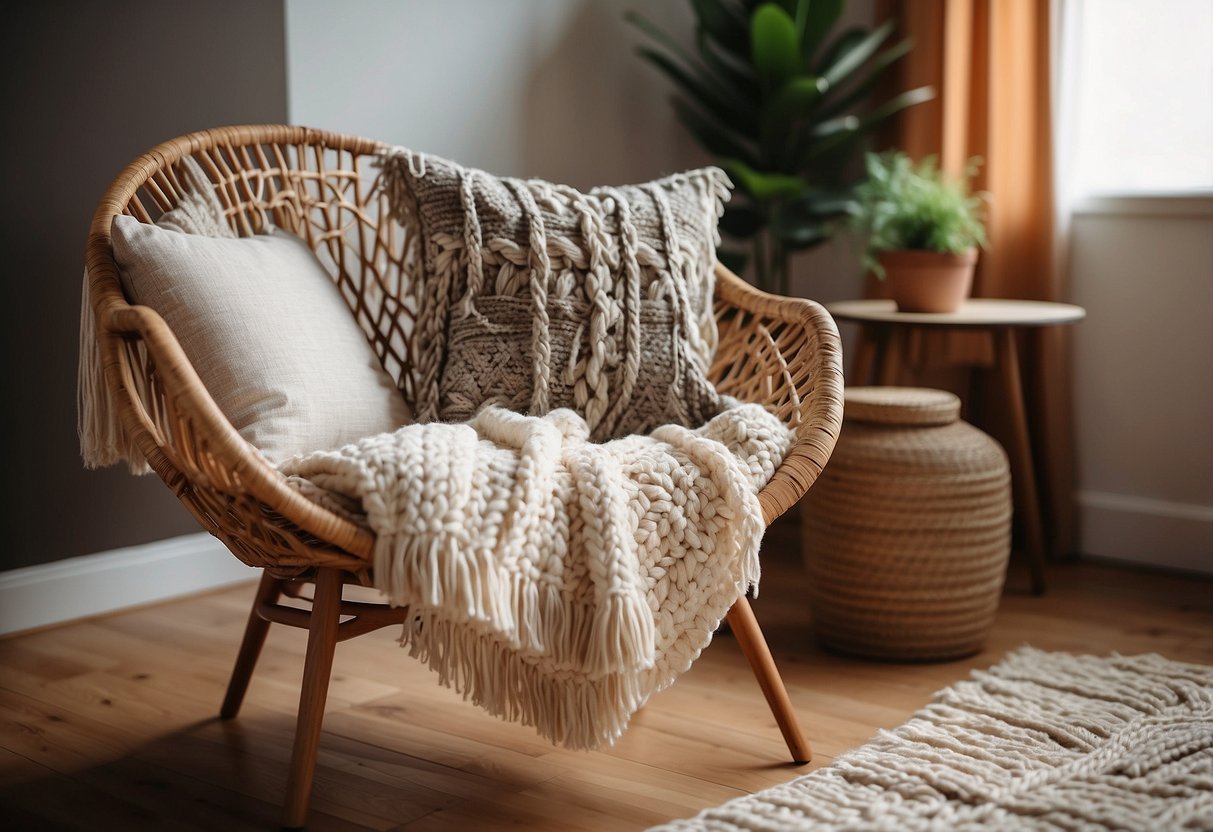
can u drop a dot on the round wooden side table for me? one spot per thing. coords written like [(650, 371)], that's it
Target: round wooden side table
[(884, 342)]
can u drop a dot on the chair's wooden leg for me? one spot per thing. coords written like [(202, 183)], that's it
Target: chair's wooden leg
[(321, 641), (250, 648), (754, 646)]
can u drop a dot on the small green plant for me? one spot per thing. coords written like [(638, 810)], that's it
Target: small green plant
[(784, 104), (911, 205)]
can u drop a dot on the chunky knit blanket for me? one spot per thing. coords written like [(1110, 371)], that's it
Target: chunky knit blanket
[(553, 580)]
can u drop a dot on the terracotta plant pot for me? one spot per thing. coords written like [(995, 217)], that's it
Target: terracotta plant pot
[(928, 281)]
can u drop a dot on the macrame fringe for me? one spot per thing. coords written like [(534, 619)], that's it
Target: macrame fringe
[(103, 440)]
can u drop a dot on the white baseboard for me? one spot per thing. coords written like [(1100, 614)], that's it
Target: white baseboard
[(1146, 531), (63, 590)]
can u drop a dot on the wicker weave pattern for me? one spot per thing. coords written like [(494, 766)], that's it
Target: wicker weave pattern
[(782, 352), (907, 536)]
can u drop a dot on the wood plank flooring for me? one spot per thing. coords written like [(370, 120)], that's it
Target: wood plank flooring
[(111, 723)]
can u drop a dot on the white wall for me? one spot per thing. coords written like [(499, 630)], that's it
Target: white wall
[(1144, 382), (519, 88)]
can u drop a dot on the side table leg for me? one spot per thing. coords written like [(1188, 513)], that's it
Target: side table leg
[(1023, 474), (865, 355), (893, 350)]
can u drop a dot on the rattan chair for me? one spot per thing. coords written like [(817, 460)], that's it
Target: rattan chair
[(779, 351)]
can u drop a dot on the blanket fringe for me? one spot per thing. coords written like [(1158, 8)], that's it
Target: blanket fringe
[(621, 639), (571, 709), (435, 571), (103, 440), (440, 573)]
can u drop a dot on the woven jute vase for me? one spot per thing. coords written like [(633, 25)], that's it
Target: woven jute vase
[(908, 530)]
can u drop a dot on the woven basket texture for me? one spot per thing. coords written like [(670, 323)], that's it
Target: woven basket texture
[(908, 530)]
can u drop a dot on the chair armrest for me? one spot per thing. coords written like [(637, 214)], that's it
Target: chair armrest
[(226, 483), (784, 353)]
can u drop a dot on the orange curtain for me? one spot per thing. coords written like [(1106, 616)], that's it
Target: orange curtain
[(989, 62)]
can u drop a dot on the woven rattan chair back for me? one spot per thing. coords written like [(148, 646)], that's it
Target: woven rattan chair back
[(782, 352)]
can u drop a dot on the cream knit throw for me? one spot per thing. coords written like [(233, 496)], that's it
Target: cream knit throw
[(1041, 741), (553, 580)]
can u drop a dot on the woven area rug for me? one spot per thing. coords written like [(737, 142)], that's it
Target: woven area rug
[(1042, 740)]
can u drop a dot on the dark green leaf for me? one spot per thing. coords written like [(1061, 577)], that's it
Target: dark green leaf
[(853, 58), (719, 140), (735, 72), (726, 23), (817, 204), (841, 44), (773, 46), (794, 100), (743, 221), (732, 259), (896, 104), (731, 112), (655, 32), (760, 185), (663, 38), (799, 234), (733, 80), (799, 10), (859, 92), (821, 17), (726, 86), (846, 130), (831, 133)]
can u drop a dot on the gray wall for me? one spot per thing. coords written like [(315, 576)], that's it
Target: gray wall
[(519, 88), (87, 87)]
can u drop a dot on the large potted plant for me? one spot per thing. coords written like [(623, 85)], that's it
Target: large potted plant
[(921, 230), (784, 105)]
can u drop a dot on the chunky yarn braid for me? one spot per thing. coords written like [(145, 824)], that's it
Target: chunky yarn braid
[(537, 296)]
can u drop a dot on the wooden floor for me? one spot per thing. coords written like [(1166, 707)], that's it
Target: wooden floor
[(111, 723)]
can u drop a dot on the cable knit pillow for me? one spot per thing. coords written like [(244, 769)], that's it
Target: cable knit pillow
[(265, 328), (537, 296)]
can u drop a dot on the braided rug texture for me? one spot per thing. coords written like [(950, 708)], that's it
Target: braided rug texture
[(554, 580), (537, 296), (1041, 741)]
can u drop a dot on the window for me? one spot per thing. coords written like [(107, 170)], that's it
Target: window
[(1141, 87)]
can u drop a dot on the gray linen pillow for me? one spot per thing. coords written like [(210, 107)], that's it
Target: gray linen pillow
[(268, 333), (537, 296)]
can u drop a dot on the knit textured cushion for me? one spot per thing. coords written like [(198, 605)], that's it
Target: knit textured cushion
[(266, 330), (537, 296)]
